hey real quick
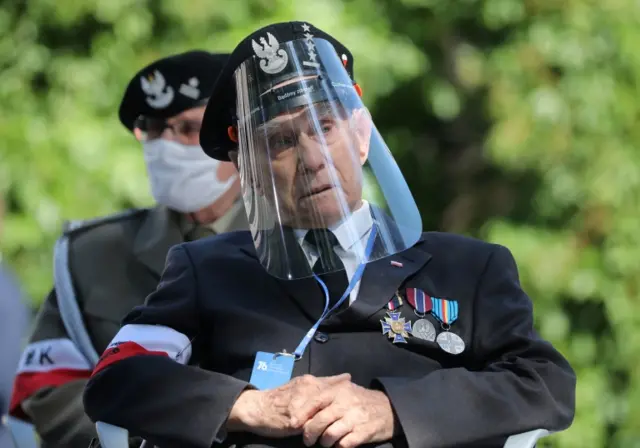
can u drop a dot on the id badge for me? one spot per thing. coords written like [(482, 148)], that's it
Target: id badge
[(271, 371)]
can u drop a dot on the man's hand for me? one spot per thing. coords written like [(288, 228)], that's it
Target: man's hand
[(347, 416), (276, 412)]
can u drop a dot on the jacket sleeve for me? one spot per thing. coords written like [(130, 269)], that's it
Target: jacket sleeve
[(519, 381), (51, 376), (142, 381)]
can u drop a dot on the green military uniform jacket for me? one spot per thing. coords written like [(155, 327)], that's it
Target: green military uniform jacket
[(114, 264)]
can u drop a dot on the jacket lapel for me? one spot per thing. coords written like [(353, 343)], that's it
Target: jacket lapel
[(157, 234), (381, 279), (307, 296), (283, 255)]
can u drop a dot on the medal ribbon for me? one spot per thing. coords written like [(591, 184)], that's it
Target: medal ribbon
[(354, 280), (446, 311), (395, 303), (419, 300)]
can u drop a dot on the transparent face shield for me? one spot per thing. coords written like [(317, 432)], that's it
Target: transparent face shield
[(316, 175)]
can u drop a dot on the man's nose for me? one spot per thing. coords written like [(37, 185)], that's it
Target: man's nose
[(311, 154)]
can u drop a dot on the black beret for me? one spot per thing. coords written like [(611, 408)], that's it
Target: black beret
[(220, 112), (170, 86)]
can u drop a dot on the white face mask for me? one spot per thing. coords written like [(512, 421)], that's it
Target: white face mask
[(183, 177)]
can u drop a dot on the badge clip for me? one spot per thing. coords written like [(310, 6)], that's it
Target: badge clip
[(285, 353)]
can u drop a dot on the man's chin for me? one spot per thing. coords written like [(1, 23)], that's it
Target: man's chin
[(321, 215)]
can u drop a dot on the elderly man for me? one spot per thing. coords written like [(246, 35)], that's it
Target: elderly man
[(116, 261), (355, 327)]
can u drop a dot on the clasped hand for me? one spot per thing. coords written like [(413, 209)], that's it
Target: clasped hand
[(331, 410)]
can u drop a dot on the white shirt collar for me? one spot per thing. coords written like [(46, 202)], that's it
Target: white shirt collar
[(349, 231)]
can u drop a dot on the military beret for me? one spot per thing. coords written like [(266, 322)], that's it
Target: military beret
[(265, 44), (170, 86)]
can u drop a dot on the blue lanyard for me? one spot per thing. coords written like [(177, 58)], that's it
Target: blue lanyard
[(352, 284)]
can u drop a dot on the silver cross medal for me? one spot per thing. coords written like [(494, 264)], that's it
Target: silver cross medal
[(450, 342)]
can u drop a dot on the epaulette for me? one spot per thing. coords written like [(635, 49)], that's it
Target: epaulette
[(73, 226)]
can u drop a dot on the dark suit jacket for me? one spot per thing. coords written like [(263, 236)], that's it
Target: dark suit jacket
[(216, 293), (115, 263)]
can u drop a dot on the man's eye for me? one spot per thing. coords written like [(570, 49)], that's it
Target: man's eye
[(188, 127), (326, 126), (281, 142)]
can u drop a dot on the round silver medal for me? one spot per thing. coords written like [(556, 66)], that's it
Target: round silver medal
[(450, 343), (423, 329)]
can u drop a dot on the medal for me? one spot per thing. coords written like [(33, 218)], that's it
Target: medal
[(395, 327), (423, 329), (450, 342), (446, 311), (420, 301)]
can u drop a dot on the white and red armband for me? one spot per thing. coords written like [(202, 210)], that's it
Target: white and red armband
[(134, 339), (46, 363)]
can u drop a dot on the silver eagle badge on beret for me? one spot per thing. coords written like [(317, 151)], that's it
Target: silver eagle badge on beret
[(273, 59), (159, 94)]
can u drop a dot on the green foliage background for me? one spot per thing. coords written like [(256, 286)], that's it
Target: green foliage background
[(514, 121)]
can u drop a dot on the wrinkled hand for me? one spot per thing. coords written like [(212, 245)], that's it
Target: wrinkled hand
[(347, 416), (276, 412)]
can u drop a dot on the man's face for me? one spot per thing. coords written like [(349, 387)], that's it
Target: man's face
[(184, 128), (313, 157)]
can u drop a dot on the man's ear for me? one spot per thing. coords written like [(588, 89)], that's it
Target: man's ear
[(139, 133), (363, 126)]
